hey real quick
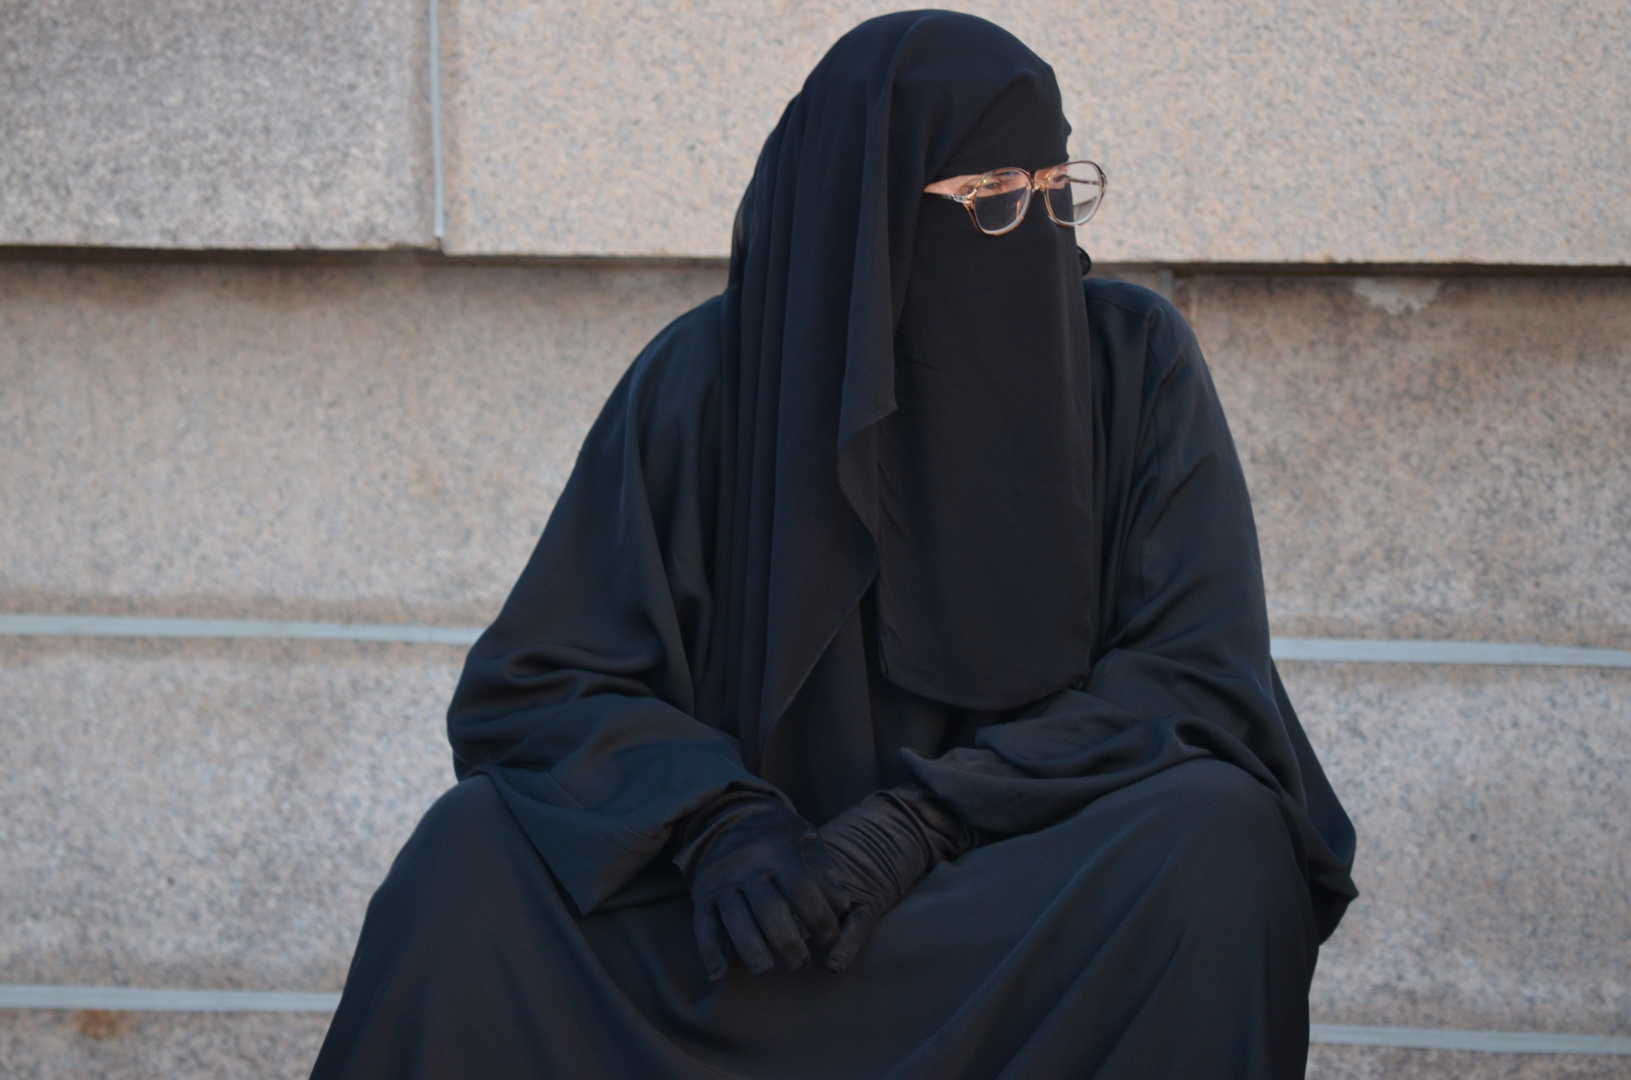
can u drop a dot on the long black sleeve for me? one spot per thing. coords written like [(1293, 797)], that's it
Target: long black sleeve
[(580, 700)]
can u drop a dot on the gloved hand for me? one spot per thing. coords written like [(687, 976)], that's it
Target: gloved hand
[(759, 875), (883, 846)]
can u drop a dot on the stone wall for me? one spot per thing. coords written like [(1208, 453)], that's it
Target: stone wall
[(312, 399), (1233, 131), (192, 124), (382, 443)]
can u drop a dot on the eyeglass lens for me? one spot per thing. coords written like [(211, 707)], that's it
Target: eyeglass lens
[(1074, 192), (1001, 200)]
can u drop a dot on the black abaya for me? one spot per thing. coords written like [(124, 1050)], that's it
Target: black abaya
[(843, 528), (1164, 931), (1164, 922)]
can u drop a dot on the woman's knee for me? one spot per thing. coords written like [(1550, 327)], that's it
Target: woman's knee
[(1227, 843), (455, 837), (1221, 803), (470, 806)]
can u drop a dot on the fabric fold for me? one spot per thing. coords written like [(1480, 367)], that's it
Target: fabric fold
[(1184, 672)]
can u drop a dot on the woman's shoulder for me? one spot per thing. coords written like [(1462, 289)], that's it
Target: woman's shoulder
[(1133, 315), (1139, 338), (683, 359), (672, 386)]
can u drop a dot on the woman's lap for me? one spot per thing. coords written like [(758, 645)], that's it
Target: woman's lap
[(1174, 906)]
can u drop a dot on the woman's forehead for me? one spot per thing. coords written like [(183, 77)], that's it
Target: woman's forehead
[(1022, 125)]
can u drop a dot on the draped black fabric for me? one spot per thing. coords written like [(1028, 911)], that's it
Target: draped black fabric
[(1162, 931), (907, 504), (975, 511)]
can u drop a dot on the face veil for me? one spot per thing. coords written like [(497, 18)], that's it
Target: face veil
[(906, 400)]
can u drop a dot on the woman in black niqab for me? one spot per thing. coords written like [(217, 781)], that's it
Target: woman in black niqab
[(889, 693)]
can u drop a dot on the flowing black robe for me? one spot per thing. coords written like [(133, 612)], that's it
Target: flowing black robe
[(1164, 852)]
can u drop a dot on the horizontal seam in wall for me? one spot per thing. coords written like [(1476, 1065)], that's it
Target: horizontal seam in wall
[(1326, 650), (140, 999), (433, 255), (144, 999), (1501, 1042), (124, 626), (1365, 651)]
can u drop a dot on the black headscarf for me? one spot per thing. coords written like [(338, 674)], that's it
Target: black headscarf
[(901, 391)]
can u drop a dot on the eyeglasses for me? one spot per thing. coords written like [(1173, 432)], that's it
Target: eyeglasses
[(997, 201)]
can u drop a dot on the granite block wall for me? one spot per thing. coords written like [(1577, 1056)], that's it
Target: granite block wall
[(191, 124), (1371, 1063), (216, 814), (1493, 817), (1233, 131), (382, 442), (1432, 458), (1443, 451), (207, 814), (58, 1045), (371, 443)]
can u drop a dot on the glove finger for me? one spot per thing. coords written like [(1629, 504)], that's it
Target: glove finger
[(744, 932), (776, 922), (827, 877), (710, 940), (813, 909), (857, 931)]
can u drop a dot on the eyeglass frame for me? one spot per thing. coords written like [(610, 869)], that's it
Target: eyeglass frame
[(1036, 182)]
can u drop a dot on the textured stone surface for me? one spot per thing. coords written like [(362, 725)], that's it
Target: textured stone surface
[(207, 814), (1427, 459), (350, 442), (1231, 130), (148, 1046), (1493, 815), (216, 814), (52, 1045), (193, 124), (1373, 1063), (384, 442), (1434, 458)]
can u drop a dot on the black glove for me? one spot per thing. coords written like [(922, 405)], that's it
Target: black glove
[(883, 846), (759, 874)]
